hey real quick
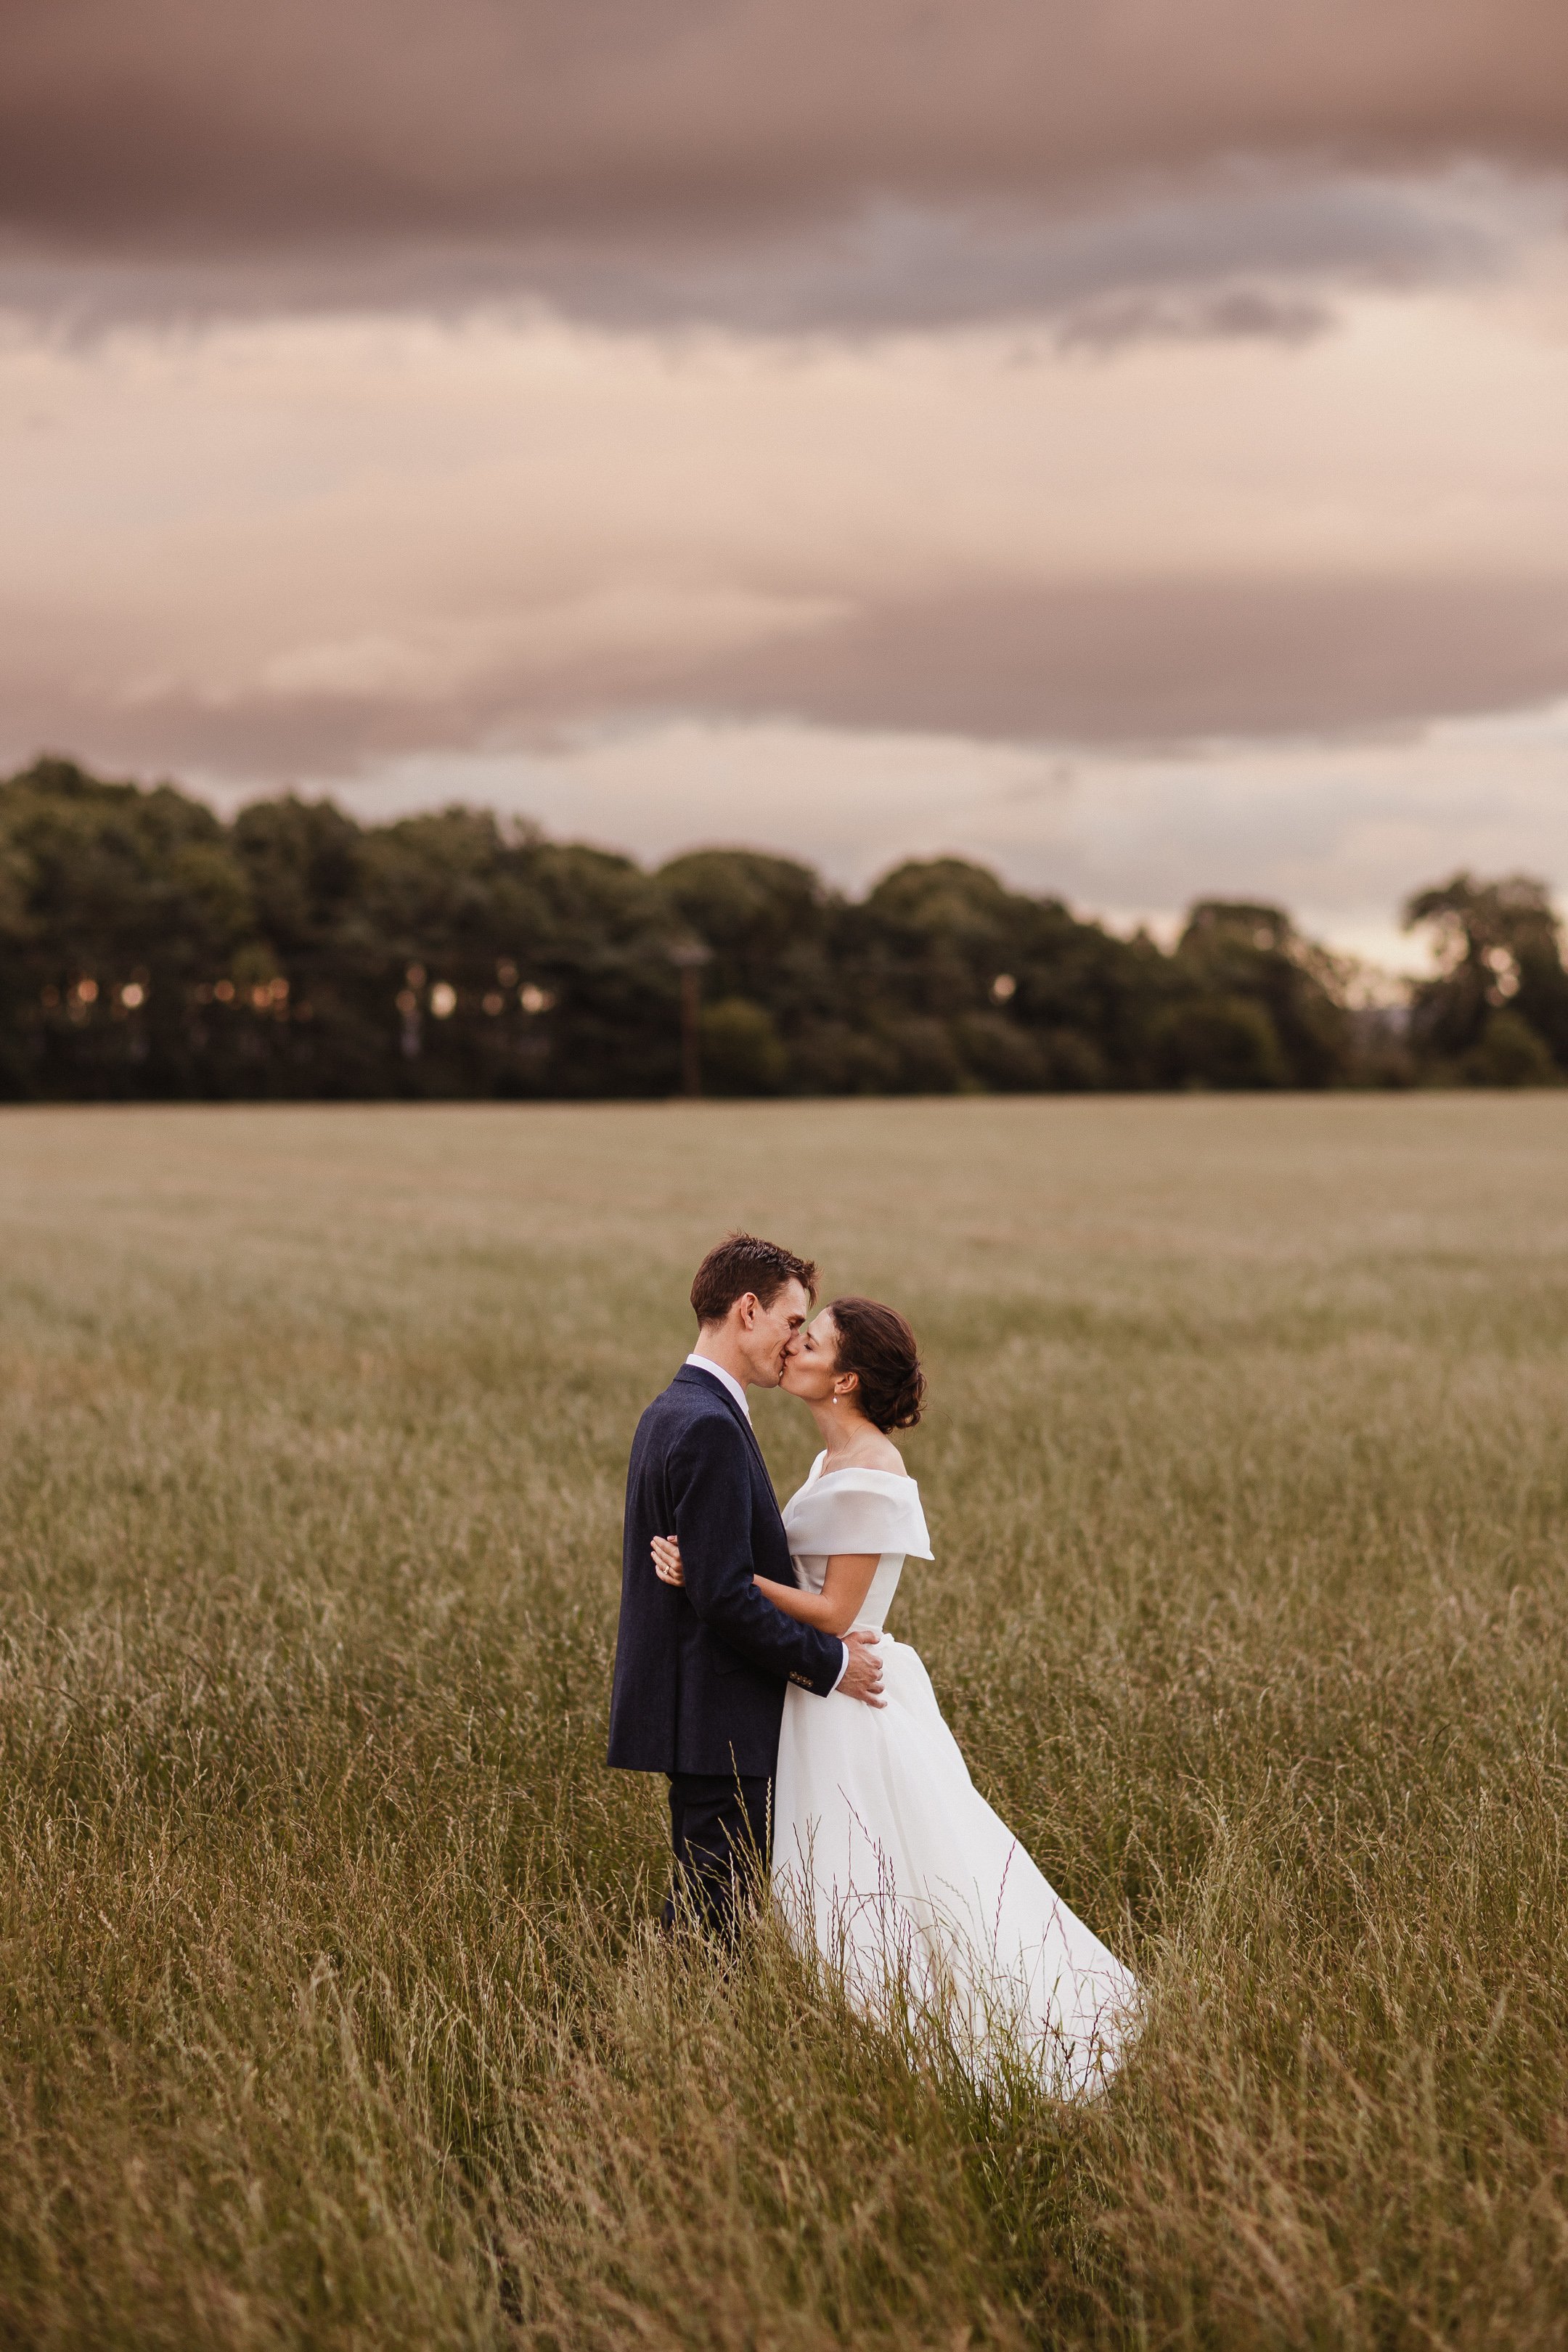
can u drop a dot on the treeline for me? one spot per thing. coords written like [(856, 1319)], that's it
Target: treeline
[(148, 949)]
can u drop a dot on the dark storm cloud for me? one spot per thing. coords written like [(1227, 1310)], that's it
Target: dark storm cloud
[(1197, 261), (1234, 251), (1113, 664), (611, 129)]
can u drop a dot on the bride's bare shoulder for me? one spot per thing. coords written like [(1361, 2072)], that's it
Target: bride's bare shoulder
[(881, 1453)]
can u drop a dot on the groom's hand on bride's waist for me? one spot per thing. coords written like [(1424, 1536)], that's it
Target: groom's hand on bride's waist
[(862, 1677)]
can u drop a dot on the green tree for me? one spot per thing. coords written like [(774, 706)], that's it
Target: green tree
[(115, 904), (1029, 993), (742, 1052), (147, 949), (1233, 953), (1509, 1053), (769, 923), (1498, 953), (1219, 1041)]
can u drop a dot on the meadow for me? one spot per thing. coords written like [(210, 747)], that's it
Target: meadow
[(333, 2013)]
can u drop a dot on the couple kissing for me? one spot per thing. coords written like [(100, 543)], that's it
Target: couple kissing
[(803, 1745)]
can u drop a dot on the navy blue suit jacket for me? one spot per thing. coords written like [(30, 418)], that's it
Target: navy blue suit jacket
[(700, 1673)]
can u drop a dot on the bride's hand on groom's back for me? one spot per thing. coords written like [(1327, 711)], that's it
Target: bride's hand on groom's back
[(667, 1560)]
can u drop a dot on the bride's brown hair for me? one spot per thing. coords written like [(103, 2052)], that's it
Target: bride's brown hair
[(876, 1343)]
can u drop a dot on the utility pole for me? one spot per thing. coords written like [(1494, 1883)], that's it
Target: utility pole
[(689, 956)]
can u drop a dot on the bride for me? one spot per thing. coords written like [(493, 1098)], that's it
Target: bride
[(885, 1853)]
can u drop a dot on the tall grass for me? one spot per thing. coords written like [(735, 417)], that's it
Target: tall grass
[(332, 2011)]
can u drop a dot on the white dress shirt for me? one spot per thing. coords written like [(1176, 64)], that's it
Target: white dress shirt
[(728, 1381)]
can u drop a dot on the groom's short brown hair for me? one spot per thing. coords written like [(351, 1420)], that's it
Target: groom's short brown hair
[(743, 1263)]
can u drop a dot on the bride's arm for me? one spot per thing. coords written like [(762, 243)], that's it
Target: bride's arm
[(844, 1589), (832, 1610)]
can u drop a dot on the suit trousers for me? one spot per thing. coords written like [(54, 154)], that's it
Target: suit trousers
[(720, 1826)]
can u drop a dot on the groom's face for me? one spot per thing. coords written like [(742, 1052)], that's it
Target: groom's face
[(771, 1331)]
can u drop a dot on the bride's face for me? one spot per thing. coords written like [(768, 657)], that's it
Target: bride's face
[(811, 1363)]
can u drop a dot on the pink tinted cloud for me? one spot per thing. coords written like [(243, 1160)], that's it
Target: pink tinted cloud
[(186, 125), (1103, 664)]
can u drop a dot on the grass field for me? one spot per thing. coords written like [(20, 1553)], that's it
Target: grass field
[(332, 2016)]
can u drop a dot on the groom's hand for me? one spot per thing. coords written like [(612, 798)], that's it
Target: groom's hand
[(863, 1674)]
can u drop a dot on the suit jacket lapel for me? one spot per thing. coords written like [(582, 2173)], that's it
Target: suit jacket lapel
[(688, 1373)]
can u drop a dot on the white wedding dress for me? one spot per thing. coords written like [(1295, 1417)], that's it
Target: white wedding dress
[(887, 1857)]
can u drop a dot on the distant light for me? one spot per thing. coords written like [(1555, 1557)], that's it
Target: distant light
[(494, 1001), (535, 1000), (415, 975), (506, 973), (87, 992), (407, 1002), (1504, 970), (223, 992), (1003, 988), (443, 999), (133, 994)]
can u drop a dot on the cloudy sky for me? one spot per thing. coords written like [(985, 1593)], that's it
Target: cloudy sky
[(1126, 442)]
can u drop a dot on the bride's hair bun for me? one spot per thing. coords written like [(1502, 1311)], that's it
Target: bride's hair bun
[(877, 1343)]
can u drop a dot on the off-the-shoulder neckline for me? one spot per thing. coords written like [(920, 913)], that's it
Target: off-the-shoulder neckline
[(859, 1470)]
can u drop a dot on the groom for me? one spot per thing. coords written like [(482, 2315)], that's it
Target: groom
[(700, 1669)]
